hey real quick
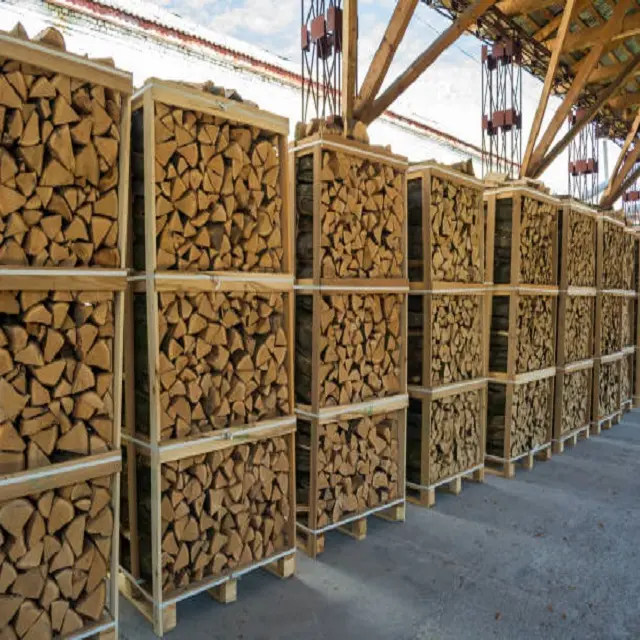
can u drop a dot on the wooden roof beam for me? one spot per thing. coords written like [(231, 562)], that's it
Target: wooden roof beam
[(546, 31), (588, 115), (383, 58), (605, 73), (609, 200), (625, 100), (426, 59), (549, 82), (517, 7), (349, 60), (625, 161)]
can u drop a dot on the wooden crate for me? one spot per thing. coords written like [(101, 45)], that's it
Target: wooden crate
[(61, 374), (445, 439), (213, 170), (446, 339), (630, 260), (608, 322), (64, 583), (578, 243), (627, 378), (350, 464), (520, 421), (521, 237), (351, 221), (572, 408), (350, 346), (628, 322), (576, 320), (83, 108), (204, 513), (445, 210), (606, 392), (611, 251), (523, 330)]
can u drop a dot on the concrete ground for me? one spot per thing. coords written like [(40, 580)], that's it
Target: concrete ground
[(551, 554)]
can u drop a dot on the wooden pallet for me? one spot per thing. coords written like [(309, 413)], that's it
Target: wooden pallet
[(571, 439), (507, 468), (313, 542), (164, 616), (426, 496)]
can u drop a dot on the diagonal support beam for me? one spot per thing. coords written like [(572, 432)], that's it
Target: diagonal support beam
[(349, 59), (543, 33), (623, 153), (578, 84), (477, 9), (609, 201), (603, 97), (516, 7), (383, 58), (548, 84)]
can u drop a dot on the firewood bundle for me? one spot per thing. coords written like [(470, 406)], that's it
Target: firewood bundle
[(627, 322), (457, 339), (578, 328), (362, 211), (629, 262), (357, 467), (612, 254), (59, 154), (359, 343), (537, 225), (56, 376), (626, 378), (222, 363), (218, 193), (535, 331), (456, 228), (609, 389), (581, 258), (220, 511), (575, 400), (530, 416), (455, 437), (611, 321), (56, 548)]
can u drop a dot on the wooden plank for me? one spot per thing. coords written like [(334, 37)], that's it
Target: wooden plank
[(349, 60)]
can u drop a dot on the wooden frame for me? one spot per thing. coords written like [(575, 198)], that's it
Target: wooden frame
[(310, 534), (423, 491), (420, 355), (314, 146), (157, 607), (563, 375), (423, 174), (605, 419), (516, 196), (185, 97)]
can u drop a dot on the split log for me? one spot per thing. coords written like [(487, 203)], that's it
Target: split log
[(218, 200), (611, 321), (360, 347), (575, 400), (220, 511), (59, 164), (223, 361), (57, 553), (613, 250), (362, 211), (357, 467), (609, 389), (56, 375), (581, 258), (578, 328), (455, 437), (538, 224)]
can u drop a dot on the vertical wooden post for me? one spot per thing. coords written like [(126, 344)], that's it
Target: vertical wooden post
[(349, 60)]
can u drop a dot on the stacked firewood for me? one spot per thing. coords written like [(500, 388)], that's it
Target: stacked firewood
[(611, 320), (626, 378), (581, 259), (575, 400), (362, 212), (222, 362), (627, 323), (578, 328), (359, 343), (357, 466), (455, 443), (457, 340), (56, 376), (56, 550), (218, 193), (609, 389), (535, 332), (537, 238), (629, 262), (220, 511), (59, 176), (456, 225), (613, 252)]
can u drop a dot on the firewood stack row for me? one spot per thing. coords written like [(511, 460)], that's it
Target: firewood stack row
[(350, 345), (211, 375), (446, 326), (523, 256), (62, 234)]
